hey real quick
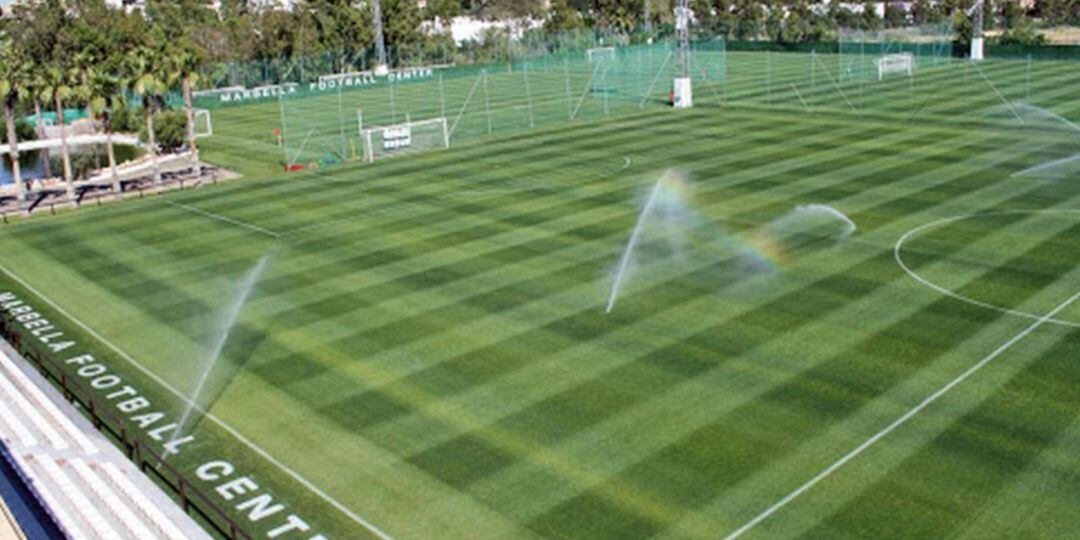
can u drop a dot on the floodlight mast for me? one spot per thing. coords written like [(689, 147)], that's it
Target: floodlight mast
[(648, 21), (977, 43), (683, 92), (381, 67)]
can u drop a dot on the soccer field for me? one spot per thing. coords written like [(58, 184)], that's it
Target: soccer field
[(426, 352)]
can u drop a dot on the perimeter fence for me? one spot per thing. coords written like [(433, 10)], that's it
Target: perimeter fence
[(327, 115)]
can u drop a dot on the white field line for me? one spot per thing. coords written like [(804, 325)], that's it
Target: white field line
[(900, 421), (229, 429), (805, 106), (994, 88), (898, 256), (225, 219), (836, 85), (1048, 165)]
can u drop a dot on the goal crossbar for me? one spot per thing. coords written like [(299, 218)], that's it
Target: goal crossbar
[(600, 53), (407, 137), (895, 63)]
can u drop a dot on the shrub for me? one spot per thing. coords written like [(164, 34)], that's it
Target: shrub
[(170, 130)]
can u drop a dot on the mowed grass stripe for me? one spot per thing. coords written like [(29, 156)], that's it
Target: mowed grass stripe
[(977, 456), (513, 211), (799, 410), (440, 241), (746, 500), (556, 287), (675, 329)]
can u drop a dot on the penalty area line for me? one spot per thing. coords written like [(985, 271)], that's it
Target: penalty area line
[(900, 421), (206, 414), (225, 219)]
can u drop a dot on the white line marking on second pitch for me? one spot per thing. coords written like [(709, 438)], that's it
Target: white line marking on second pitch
[(226, 219), (900, 421), (229, 429), (1048, 165)]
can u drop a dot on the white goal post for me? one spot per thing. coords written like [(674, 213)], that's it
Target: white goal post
[(600, 54), (204, 127), (408, 138), (895, 63)]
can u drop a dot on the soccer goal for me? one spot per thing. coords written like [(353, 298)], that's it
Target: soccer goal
[(408, 138), (204, 126), (600, 54), (895, 63), (601, 62)]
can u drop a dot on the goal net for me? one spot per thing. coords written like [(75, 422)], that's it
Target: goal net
[(408, 138), (903, 63), (602, 61)]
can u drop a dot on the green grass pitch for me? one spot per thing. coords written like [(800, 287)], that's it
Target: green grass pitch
[(427, 351)]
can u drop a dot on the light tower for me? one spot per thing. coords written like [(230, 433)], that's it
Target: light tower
[(683, 89), (648, 22), (977, 32), (381, 67)]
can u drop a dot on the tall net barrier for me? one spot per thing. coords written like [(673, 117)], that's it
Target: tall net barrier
[(332, 119), (314, 128), (867, 55), (334, 112)]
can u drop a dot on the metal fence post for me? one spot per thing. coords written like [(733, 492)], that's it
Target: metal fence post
[(569, 98), (487, 102), (528, 95)]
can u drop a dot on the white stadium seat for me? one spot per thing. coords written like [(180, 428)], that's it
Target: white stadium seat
[(22, 434), (79, 503), (49, 496), (12, 394), (45, 404), (132, 494), (99, 487), (81, 483)]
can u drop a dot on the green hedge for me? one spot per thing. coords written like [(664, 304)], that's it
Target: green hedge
[(825, 47), (1044, 52)]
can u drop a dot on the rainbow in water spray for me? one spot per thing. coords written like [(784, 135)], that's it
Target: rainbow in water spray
[(668, 210)]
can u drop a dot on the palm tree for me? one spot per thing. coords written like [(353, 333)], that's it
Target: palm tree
[(12, 80), (105, 94), (148, 83), (83, 62), (34, 88), (58, 89), (184, 64)]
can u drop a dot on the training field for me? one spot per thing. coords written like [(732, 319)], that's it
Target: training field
[(426, 353)]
